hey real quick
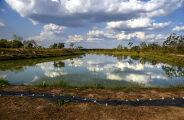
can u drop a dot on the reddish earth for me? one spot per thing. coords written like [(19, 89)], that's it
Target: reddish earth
[(24, 108)]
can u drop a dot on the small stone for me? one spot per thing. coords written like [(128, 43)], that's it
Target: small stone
[(126, 100), (173, 98), (73, 96), (138, 100), (53, 95), (0, 95), (21, 95), (84, 98), (183, 97), (150, 99), (106, 104), (162, 98), (95, 101), (33, 94)]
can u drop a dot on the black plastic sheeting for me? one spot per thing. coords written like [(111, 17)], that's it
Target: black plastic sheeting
[(178, 102)]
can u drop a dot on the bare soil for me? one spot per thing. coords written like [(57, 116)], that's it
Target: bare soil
[(24, 108)]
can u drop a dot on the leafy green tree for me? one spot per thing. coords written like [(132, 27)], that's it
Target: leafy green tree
[(130, 44), (61, 45), (119, 47), (71, 45), (16, 44), (174, 42), (54, 46), (3, 43), (143, 45), (154, 46), (29, 44)]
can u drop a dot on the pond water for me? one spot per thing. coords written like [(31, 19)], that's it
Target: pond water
[(91, 69)]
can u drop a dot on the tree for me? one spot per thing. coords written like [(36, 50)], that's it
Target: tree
[(71, 45), (16, 44), (174, 42), (16, 37), (61, 45), (29, 44), (143, 45), (119, 47), (154, 46), (54, 46), (80, 47), (130, 44), (3, 43)]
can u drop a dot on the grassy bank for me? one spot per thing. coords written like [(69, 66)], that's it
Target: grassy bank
[(63, 85), (12, 54), (173, 59)]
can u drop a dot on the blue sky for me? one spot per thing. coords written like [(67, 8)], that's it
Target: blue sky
[(91, 23)]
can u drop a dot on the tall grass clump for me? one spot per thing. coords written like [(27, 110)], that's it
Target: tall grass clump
[(60, 84), (3, 83)]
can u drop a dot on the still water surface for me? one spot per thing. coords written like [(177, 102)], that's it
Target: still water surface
[(91, 69)]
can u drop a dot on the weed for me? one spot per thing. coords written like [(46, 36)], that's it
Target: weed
[(3, 83)]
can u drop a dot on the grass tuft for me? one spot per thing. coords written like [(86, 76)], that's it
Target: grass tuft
[(3, 83), (62, 102)]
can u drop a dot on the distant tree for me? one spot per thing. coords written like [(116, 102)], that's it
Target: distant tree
[(29, 44), (80, 47), (16, 44), (119, 47), (143, 45), (125, 48), (174, 42), (16, 37), (71, 45), (61, 45), (54, 46), (154, 46), (130, 44), (39, 47), (3, 43)]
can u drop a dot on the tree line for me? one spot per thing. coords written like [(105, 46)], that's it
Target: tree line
[(173, 44), (18, 42)]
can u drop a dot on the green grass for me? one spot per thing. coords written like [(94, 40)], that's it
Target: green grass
[(62, 102), (131, 87), (60, 84), (155, 56), (3, 83), (13, 54)]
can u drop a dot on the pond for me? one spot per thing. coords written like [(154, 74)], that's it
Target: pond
[(92, 70)]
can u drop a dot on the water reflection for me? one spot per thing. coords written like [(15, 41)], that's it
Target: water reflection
[(93, 70)]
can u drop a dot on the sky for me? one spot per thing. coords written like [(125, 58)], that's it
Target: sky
[(91, 23)]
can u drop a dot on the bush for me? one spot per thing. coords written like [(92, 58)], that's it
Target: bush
[(3, 82)]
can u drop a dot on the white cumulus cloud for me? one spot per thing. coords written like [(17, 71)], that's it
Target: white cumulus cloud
[(1, 24), (50, 34), (75, 38), (178, 28), (140, 24), (84, 12)]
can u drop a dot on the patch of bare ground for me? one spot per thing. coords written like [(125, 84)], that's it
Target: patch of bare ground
[(24, 108)]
